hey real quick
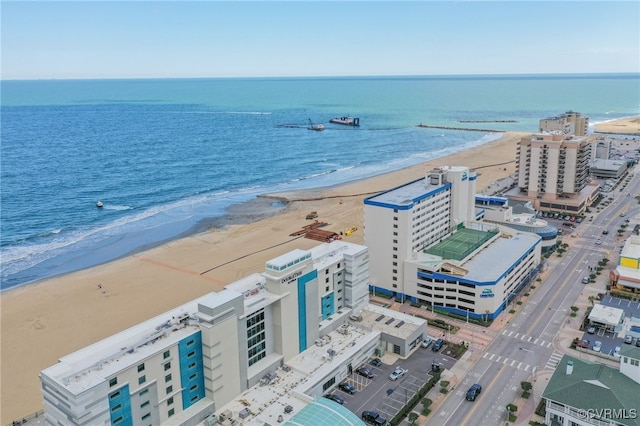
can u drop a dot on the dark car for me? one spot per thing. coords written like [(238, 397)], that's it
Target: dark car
[(335, 398), (583, 343), (473, 392), (376, 362), (638, 343), (437, 345), (364, 371), (346, 387), (373, 418), (605, 232)]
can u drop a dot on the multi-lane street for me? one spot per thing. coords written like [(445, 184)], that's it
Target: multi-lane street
[(525, 347)]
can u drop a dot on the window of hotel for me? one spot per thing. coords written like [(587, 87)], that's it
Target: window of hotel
[(191, 354), (326, 288), (171, 413), (395, 263), (144, 392), (191, 365), (167, 366), (326, 280), (142, 379), (170, 401), (395, 256), (116, 407), (114, 395), (395, 234), (395, 225), (167, 378), (191, 342), (169, 389), (118, 420), (395, 285), (326, 271), (395, 241), (194, 398), (146, 416), (395, 210), (395, 278), (113, 382), (338, 265), (256, 346), (140, 368), (193, 376), (144, 404), (166, 354), (192, 388)]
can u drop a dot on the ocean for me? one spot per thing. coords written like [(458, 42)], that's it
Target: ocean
[(165, 156)]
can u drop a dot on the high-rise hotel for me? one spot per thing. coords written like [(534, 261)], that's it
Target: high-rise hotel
[(180, 367), (426, 245)]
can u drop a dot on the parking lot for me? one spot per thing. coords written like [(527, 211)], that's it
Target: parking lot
[(609, 339), (387, 396)]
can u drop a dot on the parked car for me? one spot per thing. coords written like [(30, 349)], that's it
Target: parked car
[(364, 371), (598, 241), (373, 418), (616, 352), (605, 231), (628, 339), (638, 343), (597, 346), (572, 219), (335, 398), (397, 373), (591, 329), (346, 387), (426, 342), (585, 280), (473, 392), (437, 345), (376, 362), (584, 343), (435, 367), (579, 220)]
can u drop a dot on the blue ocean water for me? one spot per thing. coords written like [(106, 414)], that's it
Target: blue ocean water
[(164, 155)]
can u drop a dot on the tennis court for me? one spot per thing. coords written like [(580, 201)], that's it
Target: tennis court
[(460, 244)]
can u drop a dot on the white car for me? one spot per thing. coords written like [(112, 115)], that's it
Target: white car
[(616, 352), (426, 342), (397, 373), (598, 241), (597, 346)]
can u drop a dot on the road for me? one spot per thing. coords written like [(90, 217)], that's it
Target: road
[(525, 345)]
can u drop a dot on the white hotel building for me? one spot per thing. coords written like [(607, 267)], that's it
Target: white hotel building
[(180, 367), (425, 245)]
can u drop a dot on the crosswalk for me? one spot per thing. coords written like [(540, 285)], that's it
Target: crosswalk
[(519, 365), (526, 338), (553, 361)]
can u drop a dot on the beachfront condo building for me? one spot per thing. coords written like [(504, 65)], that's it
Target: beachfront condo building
[(568, 123), (553, 172), (179, 367), (426, 246)]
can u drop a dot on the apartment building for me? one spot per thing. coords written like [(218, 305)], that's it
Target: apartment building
[(569, 123), (553, 172)]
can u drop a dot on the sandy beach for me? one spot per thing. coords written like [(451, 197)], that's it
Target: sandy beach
[(51, 318)]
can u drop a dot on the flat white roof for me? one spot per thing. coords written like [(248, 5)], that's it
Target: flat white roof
[(390, 322), (287, 387), (492, 261), (606, 315), (326, 253), (93, 364), (405, 194)]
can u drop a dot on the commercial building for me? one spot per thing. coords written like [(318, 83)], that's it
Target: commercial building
[(607, 318), (426, 246), (608, 169), (492, 209), (626, 276), (569, 122), (553, 172), (178, 367), (583, 393)]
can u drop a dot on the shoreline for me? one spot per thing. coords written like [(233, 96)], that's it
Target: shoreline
[(73, 310)]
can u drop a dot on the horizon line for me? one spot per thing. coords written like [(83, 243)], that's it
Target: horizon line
[(630, 73)]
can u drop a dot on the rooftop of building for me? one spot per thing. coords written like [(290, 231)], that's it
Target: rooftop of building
[(593, 386), (489, 261), (390, 322), (606, 314), (283, 394), (607, 164), (93, 364), (326, 254), (461, 243), (324, 412), (405, 195)]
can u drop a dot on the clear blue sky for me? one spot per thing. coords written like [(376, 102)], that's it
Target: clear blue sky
[(130, 39)]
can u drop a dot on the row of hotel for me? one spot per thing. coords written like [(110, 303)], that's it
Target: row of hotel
[(266, 347)]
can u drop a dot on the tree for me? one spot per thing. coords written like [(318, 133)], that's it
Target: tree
[(526, 386), (591, 299), (413, 416)]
